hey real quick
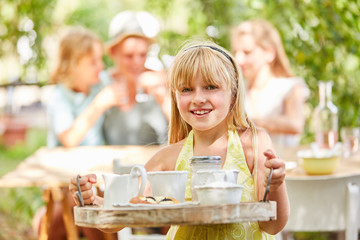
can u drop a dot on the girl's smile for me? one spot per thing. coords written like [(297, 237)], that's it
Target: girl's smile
[(200, 112)]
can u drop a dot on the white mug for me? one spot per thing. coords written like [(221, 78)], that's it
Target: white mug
[(168, 184), (120, 189)]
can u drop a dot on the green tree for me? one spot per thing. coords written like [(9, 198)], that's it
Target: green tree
[(23, 25)]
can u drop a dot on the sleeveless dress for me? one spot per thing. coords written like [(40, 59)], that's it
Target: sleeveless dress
[(235, 159)]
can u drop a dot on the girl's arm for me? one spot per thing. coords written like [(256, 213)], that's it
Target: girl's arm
[(277, 186), (105, 99), (278, 193)]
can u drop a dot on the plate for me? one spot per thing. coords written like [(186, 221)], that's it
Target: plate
[(143, 205)]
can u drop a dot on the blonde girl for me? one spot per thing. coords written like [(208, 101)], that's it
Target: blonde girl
[(208, 118), (76, 76)]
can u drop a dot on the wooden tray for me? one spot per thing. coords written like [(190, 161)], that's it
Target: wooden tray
[(182, 214)]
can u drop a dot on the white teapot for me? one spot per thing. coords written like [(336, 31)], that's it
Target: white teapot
[(120, 189)]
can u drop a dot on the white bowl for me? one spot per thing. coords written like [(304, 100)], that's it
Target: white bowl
[(219, 193), (319, 163)]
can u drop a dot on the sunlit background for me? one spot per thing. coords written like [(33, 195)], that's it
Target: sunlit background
[(321, 38)]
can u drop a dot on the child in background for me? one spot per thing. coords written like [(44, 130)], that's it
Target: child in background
[(77, 82), (208, 118)]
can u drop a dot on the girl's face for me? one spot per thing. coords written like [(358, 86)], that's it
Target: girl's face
[(129, 56), (204, 106), (88, 67), (249, 56)]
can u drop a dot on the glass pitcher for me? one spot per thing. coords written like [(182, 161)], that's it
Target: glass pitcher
[(325, 118)]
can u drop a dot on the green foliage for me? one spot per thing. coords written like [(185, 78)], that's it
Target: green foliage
[(21, 203), (13, 15)]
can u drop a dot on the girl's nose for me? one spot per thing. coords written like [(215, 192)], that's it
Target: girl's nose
[(199, 97)]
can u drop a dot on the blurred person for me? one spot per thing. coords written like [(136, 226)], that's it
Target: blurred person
[(275, 97), (75, 112), (141, 118), (73, 117)]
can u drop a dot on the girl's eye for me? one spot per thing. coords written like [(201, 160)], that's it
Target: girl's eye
[(185, 89), (211, 87)]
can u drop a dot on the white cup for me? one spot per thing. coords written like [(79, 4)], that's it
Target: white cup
[(205, 177), (350, 140), (120, 189), (168, 184)]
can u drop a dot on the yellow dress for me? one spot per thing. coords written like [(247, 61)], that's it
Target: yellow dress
[(235, 159)]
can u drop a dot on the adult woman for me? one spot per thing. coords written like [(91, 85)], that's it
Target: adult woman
[(140, 118), (275, 98)]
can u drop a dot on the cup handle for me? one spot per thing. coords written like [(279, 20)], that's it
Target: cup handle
[(135, 172)]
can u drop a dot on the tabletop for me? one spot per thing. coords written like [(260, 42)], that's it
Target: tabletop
[(54, 167)]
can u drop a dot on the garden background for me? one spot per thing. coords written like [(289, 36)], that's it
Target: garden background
[(321, 38)]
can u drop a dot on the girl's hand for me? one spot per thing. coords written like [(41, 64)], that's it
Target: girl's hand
[(86, 182), (278, 176)]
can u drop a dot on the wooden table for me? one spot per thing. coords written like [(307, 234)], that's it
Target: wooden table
[(52, 169), (156, 216)]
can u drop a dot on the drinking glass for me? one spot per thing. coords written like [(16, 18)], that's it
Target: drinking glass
[(350, 138)]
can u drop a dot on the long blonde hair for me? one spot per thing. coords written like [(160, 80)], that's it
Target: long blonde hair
[(75, 44), (266, 36), (216, 66)]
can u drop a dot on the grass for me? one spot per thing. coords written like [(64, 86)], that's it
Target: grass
[(18, 205)]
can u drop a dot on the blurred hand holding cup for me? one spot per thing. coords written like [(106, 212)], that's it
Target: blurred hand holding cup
[(350, 140)]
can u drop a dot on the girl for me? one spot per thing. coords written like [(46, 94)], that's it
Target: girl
[(208, 118), (77, 83)]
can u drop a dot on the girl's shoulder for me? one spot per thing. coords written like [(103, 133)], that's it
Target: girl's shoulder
[(247, 138), (165, 159)]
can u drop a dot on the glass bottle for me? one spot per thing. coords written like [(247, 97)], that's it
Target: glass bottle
[(202, 163), (325, 118)]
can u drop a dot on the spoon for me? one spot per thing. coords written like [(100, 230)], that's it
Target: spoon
[(78, 192), (268, 185)]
